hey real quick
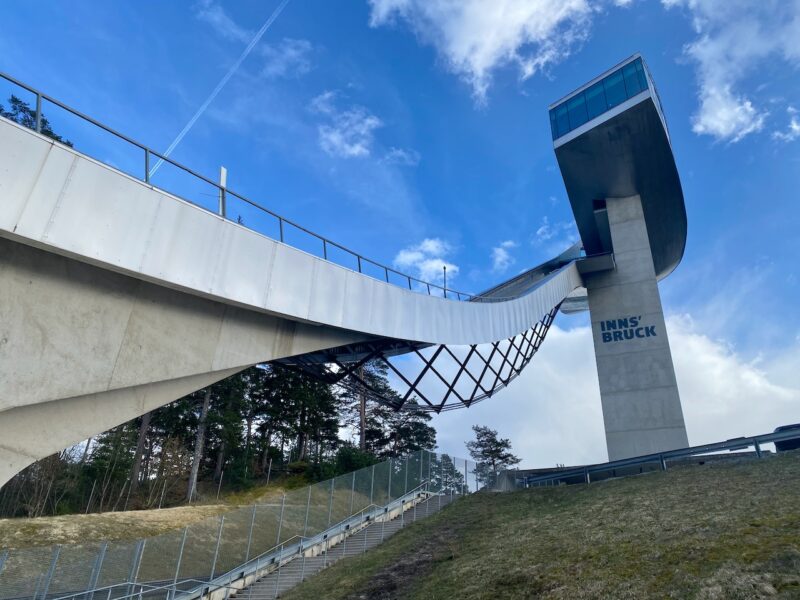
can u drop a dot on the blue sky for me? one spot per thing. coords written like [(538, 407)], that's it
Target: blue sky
[(416, 132)]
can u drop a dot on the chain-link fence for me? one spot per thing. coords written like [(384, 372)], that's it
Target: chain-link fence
[(214, 547)]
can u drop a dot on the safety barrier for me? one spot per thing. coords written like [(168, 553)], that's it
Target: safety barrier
[(211, 550)]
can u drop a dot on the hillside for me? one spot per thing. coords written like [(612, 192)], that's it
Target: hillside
[(725, 530), (132, 524)]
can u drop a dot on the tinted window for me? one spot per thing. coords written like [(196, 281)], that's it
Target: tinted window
[(604, 95), (640, 73), (596, 100), (632, 85), (562, 121), (615, 89), (577, 111)]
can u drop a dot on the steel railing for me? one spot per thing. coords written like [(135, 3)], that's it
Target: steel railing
[(414, 283), (660, 458)]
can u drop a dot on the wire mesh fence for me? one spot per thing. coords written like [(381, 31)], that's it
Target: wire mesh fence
[(158, 566)]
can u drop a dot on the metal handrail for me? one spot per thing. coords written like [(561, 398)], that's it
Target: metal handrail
[(206, 588), (224, 191), (662, 457)]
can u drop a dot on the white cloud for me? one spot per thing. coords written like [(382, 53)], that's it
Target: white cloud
[(347, 133), (552, 412), (213, 14), (475, 38), (288, 58), (554, 237), (501, 257), (735, 37), (427, 260), (793, 130), (401, 156)]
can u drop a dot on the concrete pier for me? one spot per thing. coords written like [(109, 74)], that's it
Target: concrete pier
[(641, 405)]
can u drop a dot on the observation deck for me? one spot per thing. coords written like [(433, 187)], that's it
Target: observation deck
[(611, 141)]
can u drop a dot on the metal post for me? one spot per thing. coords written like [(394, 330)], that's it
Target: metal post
[(308, 505), (178, 566), (359, 262), (441, 482), (269, 470), (280, 226), (466, 478), (147, 165), (250, 534), (280, 520), (3, 559), (303, 540), (223, 182), (216, 549), (444, 267), (421, 460), (757, 447), (403, 497), (586, 476), (330, 503), (98, 564), (371, 487), (219, 485), (391, 471), (137, 560), (388, 500), (428, 483), (663, 462), (49, 576), (352, 494), (38, 113), (91, 495)]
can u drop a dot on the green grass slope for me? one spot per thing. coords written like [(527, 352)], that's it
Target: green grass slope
[(725, 530)]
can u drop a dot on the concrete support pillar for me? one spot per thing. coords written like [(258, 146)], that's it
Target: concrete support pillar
[(641, 406)]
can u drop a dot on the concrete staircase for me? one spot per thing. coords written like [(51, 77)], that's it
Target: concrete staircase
[(298, 569)]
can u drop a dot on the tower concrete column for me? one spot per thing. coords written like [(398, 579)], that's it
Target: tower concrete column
[(641, 405)]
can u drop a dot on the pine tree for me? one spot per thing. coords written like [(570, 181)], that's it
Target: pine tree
[(492, 454)]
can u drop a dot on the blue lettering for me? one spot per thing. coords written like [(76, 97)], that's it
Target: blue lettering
[(611, 325), (628, 334), (617, 336), (606, 337), (650, 331), (639, 333), (634, 321)]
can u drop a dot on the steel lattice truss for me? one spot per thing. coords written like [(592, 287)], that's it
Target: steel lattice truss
[(447, 377)]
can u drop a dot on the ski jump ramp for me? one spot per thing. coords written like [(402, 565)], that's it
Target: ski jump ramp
[(117, 297)]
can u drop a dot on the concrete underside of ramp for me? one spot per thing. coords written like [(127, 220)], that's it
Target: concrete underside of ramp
[(83, 349)]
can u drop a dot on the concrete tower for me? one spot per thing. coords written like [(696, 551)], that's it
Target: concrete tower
[(613, 148)]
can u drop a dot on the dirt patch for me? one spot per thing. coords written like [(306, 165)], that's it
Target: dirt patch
[(396, 580)]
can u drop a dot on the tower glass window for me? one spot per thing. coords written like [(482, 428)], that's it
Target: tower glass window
[(614, 89)]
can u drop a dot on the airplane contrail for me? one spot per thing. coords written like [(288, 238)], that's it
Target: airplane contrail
[(221, 84)]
